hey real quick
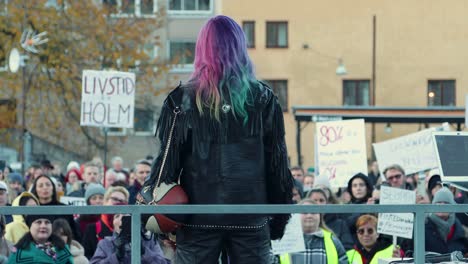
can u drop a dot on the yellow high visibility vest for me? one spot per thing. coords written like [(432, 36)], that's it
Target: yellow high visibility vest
[(354, 257), (330, 249)]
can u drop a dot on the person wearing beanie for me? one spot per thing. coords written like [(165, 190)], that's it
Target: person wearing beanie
[(94, 195), (40, 245), (444, 232)]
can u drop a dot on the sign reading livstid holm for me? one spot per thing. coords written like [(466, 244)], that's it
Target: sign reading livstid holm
[(107, 99)]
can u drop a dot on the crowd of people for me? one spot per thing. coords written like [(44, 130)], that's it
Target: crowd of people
[(353, 238), (223, 139)]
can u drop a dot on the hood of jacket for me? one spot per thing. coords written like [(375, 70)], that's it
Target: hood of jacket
[(16, 201), (76, 249)]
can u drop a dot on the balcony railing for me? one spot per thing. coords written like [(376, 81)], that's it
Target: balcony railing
[(137, 211)]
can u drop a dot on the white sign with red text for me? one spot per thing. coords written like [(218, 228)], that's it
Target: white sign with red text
[(107, 99), (341, 150)]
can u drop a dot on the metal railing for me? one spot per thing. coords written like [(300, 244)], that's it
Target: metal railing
[(136, 211)]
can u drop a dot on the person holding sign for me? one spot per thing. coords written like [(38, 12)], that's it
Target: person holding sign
[(227, 147), (321, 244), (369, 249)]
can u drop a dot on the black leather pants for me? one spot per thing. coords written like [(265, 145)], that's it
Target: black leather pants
[(205, 245)]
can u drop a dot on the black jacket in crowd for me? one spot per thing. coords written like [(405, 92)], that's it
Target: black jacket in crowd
[(230, 161)]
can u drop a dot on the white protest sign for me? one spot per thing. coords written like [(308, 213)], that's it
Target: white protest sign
[(107, 99), (293, 239), (341, 150), (414, 152), (69, 200), (394, 224)]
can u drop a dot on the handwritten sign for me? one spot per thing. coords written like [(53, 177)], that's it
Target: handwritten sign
[(414, 152), (107, 99), (69, 200), (293, 239), (341, 150), (400, 225)]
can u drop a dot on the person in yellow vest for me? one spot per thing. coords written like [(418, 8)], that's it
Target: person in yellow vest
[(369, 249), (322, 246)]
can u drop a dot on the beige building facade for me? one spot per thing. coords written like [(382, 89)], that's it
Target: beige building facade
[(420, 56)]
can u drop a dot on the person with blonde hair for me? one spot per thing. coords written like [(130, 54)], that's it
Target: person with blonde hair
[(115, 195), (322, 246)]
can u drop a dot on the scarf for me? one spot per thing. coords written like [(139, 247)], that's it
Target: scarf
[(443, 226), (49, 249)]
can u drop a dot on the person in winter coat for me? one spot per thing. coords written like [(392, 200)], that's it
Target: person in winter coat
[(61, 228), (444, 232), (369, 248), (322, 246), (15, 230), (94, 233), (333, 222), (360, 188), (116, 249), (40, 245)]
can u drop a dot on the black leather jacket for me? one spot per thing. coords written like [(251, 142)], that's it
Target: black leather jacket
[(227, 161)]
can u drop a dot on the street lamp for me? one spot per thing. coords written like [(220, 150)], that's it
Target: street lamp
[(340, 70), (29, 42)]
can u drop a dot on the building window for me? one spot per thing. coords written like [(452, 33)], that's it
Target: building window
[(280, 88), (277, 34), (249, 30), (132, 7), (182, 53), (356, 92), (190, 6), (441, 93), (3, 7), (144, 122)]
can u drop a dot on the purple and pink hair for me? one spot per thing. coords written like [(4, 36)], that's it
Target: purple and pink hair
[(223, 70)]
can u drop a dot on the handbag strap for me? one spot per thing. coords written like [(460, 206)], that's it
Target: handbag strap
[(166, 151)]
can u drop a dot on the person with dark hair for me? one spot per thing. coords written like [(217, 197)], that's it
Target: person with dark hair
[(40, 245), (298, 191), (61, 228), (44, 189), (16, 229), (227, 147)]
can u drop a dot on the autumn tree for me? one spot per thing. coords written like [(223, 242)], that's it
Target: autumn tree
[(83, 34)]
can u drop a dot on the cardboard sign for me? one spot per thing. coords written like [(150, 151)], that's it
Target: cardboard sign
[(394, 224), (107, 99), (293, 239), (341, 150), (69, 200), (414, 152)]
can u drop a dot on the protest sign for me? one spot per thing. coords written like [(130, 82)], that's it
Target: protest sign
[(69, 200), (293, 239), (414, 152), (466, 109), (107, 99), (341, 150), (394, 224)]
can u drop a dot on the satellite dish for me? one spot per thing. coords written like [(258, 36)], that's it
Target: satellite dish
[(14, 60)]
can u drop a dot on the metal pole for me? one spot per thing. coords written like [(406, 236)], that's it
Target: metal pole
[(136, 237), (106, 130), (373, 133), (23, 120), (419, 240), (298, 143)]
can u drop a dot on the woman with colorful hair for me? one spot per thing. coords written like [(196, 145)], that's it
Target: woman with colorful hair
[(227, 147)]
